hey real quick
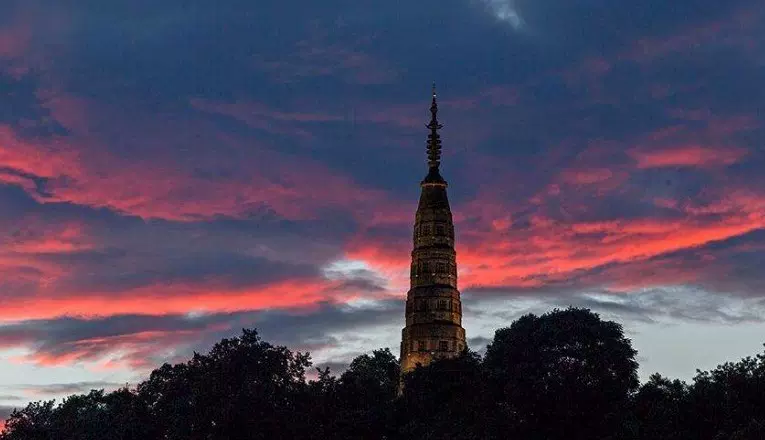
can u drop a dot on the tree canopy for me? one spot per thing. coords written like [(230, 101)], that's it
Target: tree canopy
[(567, 374)]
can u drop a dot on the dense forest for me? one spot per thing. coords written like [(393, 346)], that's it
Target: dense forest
[(567, 374)]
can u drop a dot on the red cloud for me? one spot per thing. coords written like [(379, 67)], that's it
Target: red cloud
[(79, 170), (551, 251), (26, 183), (687, 156), (495, 248), (105, 351), (210, 296), (589, 176), (33, 235)]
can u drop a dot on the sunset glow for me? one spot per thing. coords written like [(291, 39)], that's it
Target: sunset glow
[(174, 174)]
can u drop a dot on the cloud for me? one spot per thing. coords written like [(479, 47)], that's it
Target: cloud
[(167, 180), (5, 412), (144, 341), (15, 39), (317, 56), (505, 10), (177, 298), (651, 305), (734, 30), (691, 155), (543, 249), (58, 389), (149, 187)]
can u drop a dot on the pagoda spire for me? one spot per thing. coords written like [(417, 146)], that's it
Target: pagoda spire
[(433, 312), (434, 144)]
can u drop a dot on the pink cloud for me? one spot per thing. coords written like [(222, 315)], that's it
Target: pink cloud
[(587, 176), (687, 156), (14, 40), (175, 298), (732, 31), (79, 169), (18, 50), (549, 238), (33, 235), (550, 250)]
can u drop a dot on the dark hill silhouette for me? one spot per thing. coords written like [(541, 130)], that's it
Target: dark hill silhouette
[(567, 374)]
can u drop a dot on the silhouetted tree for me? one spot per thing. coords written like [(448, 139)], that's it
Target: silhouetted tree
[(564, 375), (660, 410), (114, 416), (243, 389), (36, 421), (445, 400), (755, 430), (320, 408), (366, 392), (728, 401)]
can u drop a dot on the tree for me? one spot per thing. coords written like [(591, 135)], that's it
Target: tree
[(565, 375), (445, 400), (366, 391), (118, 415), (660, 410), (755, 430), (729, 401), (320, 408), (35, 422), (243, 389)]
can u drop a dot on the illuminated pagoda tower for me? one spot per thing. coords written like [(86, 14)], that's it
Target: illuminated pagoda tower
[(433, 309)]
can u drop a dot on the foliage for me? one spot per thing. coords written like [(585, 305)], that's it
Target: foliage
[(444, 400), (660, 408), (567, 374)]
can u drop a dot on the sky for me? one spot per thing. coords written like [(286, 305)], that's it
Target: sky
[(172, 172)]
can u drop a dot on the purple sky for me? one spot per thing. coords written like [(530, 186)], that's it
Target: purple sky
[(174, 171)]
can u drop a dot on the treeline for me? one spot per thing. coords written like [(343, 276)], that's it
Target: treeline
[(564, 375)]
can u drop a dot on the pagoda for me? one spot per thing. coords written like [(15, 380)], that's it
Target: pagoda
[(433, 308)]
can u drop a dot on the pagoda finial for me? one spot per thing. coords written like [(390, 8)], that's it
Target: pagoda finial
[(434, 139)]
